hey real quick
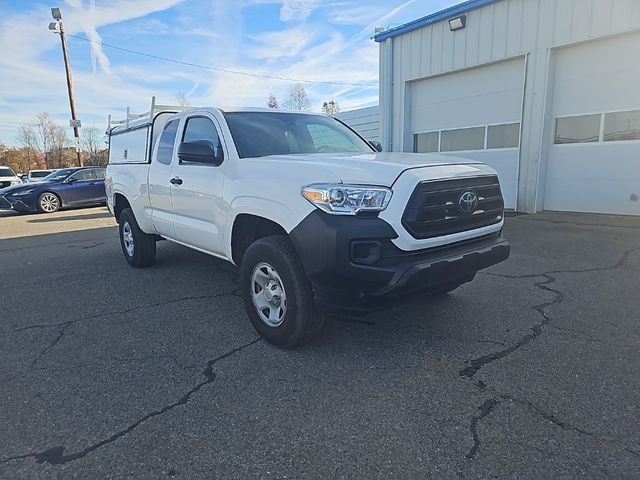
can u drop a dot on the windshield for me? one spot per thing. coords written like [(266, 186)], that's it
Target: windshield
[(257, 134), (58, 175), (6, 172)]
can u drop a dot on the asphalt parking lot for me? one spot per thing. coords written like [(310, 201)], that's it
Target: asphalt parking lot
[(530, 371)]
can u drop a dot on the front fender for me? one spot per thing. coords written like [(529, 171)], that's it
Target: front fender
[(287, 216)]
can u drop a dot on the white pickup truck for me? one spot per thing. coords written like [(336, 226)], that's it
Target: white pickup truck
[(318, 220)]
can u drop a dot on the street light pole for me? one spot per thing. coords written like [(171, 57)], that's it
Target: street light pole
[(57, 27)]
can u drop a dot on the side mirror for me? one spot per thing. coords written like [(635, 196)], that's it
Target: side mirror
[(377, 146), (200, 151), (71, 180)]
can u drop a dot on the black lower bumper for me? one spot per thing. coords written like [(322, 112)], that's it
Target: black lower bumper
[(354, 266), (8, 203)]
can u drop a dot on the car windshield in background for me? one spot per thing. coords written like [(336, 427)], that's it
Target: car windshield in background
[(58, 175), (258, 134), (6, 172), (40, 174)]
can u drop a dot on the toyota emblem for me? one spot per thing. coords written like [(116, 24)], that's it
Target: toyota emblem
[(468, 202)]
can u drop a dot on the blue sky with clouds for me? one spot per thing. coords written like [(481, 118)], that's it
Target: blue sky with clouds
[(321, 41)]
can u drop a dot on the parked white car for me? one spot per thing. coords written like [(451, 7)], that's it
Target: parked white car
[(315, 217), (8, 177), (38, 175)]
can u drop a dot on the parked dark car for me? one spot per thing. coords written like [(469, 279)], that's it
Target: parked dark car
[(65, 188)]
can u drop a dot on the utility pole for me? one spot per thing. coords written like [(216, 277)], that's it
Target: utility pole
[(57, 27)]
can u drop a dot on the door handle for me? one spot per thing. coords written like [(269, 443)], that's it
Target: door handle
[(176, 181)]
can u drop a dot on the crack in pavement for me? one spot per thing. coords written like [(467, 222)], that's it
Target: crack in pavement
[(48, 347), (128, 310), (537, 329), (56, 455), (539, 411), (484, 410), (69, 323), (547, 416)]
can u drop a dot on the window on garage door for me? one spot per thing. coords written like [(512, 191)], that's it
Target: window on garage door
[(578, 129), (426, 142), (503, 136), (462, 139), (622, 126)]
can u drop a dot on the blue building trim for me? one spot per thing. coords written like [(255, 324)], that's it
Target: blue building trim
[(437, 17)]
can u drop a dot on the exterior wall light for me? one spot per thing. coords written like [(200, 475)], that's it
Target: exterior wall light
[(458, 23)]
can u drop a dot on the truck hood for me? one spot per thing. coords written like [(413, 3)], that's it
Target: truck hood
[(371, 168)]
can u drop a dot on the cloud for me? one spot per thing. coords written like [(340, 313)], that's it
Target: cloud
[(271, 46), (297, 9), (303, 39)]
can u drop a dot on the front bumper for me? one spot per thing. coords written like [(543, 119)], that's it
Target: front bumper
[(19, 204), (354, 267)]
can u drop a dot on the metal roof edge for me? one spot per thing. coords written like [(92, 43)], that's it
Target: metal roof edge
[(433, 18)]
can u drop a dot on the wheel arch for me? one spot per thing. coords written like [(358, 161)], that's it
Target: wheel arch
[(247, 228), (120, 202)]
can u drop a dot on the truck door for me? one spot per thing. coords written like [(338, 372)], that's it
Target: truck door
[(196, 190), (160, 180)]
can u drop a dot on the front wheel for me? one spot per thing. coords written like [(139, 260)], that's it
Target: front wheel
[(48, 202), (277, 294), (138, 247)]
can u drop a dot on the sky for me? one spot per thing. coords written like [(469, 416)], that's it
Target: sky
[(313, 40)]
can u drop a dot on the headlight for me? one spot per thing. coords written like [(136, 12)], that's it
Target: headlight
[(347, 199), (16, 182), (22, 193)]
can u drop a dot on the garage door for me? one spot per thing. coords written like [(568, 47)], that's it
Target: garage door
[(472, 114), (594, 161)]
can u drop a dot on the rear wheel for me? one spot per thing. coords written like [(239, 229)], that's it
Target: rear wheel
[(277, 294), (48, 202), (138, 247)]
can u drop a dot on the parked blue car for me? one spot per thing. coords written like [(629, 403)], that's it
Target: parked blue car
[(65, 188)]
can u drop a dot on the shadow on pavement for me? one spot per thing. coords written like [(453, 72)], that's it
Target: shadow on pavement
[(56, 218)]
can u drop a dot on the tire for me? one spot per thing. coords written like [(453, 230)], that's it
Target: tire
[(272, 276), (139, 248), (49, 202)]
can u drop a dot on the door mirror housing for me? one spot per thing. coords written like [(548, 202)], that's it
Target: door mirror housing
[(377, 146), (199, 151), (71, 180)]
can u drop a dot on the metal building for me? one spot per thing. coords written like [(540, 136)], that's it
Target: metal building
[(365, 121), (545, 91)]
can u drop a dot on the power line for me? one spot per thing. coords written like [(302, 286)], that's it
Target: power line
[(219, 69)]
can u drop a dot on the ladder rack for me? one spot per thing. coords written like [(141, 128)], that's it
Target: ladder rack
[(155, 108)]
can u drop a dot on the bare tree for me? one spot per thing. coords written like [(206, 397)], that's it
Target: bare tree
[(29, 141), (44, 135), (331, 107), (272, 101), (59, 152), (297, 98), (182, 100), (90, 139)]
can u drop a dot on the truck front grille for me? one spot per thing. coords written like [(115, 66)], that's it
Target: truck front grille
[(436, 209), (5, 184)]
